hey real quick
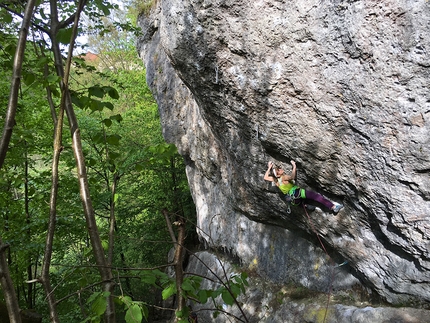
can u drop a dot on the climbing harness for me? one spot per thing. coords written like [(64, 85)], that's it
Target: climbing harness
[(294, 194)]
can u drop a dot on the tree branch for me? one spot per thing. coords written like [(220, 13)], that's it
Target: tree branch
[(169, 225), (16, 81), (16, 13)]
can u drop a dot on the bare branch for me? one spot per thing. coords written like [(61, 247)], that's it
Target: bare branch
[(169, 225)]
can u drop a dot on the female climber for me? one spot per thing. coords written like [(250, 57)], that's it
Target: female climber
[(294, 194)]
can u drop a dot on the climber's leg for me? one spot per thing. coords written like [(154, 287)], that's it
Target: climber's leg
[(311, 195)]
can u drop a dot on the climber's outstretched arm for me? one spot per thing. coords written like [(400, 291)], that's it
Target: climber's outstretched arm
[(293, 172), (267, 176)]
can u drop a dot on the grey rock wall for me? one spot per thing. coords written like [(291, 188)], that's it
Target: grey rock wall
[(266, 302), (342, 88)]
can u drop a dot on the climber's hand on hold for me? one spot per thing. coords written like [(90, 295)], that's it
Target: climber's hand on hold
[(293, 171), (267, 176)]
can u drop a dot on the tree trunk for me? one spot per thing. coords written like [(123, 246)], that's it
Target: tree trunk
[(99, 255), (5, 279), (16, 81), (7, 287), (178, 261), (45, 279), (116, 178)]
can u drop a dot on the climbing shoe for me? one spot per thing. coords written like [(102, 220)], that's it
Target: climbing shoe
[(337, 208), (310, 207)]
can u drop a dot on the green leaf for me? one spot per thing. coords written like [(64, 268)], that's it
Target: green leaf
[(183, 315), (133, 314), (203, 296), (96, 105), (76, 100), (55, 91), (52, 79), (126, 300), (42, 61), (114, 155), (99, 138), (108, 105), (169, 291), (64, 35), (244, 278), (235, 289), (160, 274), (99, 306), (145, 311), (7, 17), (116, 117), (113, 93), (92, 161), (149, 279), (78, 60), (42, 14), (29, 78), (96, 91), (186, 285), (197, 280), (227, 298), (105, 245), (105, 10), (113, 139), (10, 49), (107, 122)]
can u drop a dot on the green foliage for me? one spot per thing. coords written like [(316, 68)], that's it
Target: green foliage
[(123, 145), (144, 6), (64, 35), (183, 315), (192, 289), (98, 303), (135, 311)]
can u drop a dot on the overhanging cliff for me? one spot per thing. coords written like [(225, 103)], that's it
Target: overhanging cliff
[(342, 88)]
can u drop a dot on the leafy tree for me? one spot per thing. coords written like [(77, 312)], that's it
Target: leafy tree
[(60, 27), (131, 175), (128, 186)]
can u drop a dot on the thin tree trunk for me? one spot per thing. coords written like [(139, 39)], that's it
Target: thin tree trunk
[(104, 270), (5, 279), (169, 225), (16, 81), (180, 241), (46, 282), (30, 290), (7, 287), (179, 259), (116, 178)]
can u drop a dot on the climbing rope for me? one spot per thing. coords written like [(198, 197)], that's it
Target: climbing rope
[(331, 260)]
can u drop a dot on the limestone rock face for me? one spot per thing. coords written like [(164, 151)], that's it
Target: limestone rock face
[(265, 302), (342, 88)]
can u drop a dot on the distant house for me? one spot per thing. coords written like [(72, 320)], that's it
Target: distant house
[(90, 57), (105, 61)]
